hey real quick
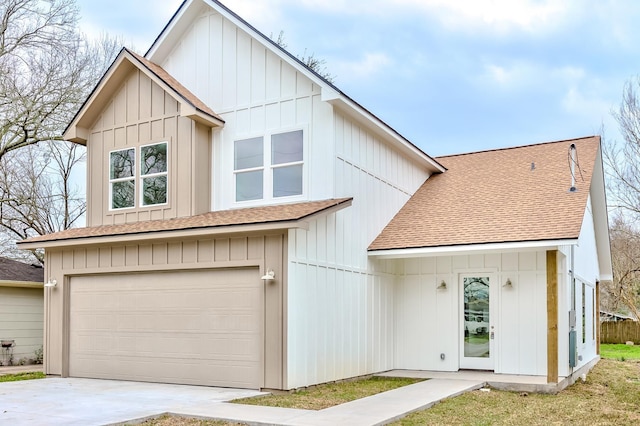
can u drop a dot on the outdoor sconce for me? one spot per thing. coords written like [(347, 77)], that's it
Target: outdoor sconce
[(508, 284), (51, 283), (442, 286), (269, 276)]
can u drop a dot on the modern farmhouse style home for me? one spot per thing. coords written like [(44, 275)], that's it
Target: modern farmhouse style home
[(249, 225)]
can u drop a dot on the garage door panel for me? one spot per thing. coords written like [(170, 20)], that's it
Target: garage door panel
[(197, 327)]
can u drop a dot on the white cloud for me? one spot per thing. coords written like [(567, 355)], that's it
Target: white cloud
[(366, 67), (494, 15)]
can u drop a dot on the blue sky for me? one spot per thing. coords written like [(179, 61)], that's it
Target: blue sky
[(451, 76)]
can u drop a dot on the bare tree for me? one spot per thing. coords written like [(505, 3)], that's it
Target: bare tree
[(622, 158), (47, 69), (622, 161), (623, 293), (310, 60), (39, 193)]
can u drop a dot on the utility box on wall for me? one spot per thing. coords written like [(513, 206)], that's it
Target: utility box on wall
[(573, 355)]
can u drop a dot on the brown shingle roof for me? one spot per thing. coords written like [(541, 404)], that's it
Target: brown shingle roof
[(11, 270), (497, 196), (246, 216), (174, 84)]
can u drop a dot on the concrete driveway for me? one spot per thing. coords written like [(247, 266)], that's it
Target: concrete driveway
[(72, 401)]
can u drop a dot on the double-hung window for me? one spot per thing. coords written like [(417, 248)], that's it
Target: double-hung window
[(150, 170), (277, 174), (153, 174), (122, 178)]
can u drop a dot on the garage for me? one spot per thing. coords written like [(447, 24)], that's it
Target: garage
[(199, 327)]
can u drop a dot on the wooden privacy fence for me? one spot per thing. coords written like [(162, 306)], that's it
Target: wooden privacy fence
[(620, 332)]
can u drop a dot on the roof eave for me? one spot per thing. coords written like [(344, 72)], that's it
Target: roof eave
[(21, 284), (162, 235), (601, 219), (463, 249)]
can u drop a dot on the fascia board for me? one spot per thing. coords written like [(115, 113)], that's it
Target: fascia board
[(21, 284), (162, 235), (471, 249)]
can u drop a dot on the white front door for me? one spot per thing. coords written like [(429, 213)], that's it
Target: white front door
[(477, 331)]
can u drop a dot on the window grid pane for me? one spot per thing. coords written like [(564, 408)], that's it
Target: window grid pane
[(248, 153), (153, 159), (154, 190), (249, 185), (122, 164), (123, 194), (286, 147), (287, 181)]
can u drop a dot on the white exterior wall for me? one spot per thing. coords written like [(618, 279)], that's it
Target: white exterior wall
[(257, 94), (341, 304), (339, 309), (587, 271), (428, 320)]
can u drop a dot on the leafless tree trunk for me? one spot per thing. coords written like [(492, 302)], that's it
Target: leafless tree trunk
[(38, 192), (623, 293), (47, 69)]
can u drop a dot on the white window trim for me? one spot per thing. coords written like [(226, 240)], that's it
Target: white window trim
[(137, 178), (141, 177), (132, 178), (267, 168)]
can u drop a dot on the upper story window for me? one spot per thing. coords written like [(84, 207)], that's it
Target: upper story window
[(152, 174), (122, 178), (277, 174)]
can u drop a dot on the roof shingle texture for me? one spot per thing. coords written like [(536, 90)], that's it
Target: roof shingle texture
[(507, 195), (11, 270), (246, 216)]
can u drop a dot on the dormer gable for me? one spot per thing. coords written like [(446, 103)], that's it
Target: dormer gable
[(127, 61)]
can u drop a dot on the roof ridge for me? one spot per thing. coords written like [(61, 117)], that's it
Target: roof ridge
[(516, 147)]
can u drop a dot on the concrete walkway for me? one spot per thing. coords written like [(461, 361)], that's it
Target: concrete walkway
[(73, 401), (374, 410)]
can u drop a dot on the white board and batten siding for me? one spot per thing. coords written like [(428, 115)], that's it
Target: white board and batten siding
[(428, 320), (341, 304), (257, 94), (587, 271)]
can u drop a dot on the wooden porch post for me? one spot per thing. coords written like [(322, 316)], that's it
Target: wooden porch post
[(552, 316)]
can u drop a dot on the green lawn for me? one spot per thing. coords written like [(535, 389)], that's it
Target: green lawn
[(619, 352), (22, 376), (330, 394)]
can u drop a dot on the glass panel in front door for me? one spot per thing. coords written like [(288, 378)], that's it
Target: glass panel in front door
[(476, 317)]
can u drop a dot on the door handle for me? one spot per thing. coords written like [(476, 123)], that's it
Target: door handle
[(491, 335)]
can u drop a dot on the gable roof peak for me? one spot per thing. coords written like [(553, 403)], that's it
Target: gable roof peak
[(126, 61), (188, 11)]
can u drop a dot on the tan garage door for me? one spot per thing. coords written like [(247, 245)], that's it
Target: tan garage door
[(194, 327)]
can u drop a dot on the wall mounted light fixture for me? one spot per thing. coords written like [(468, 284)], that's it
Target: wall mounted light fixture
[(269, 276), (442, 286), (508, 284), (51, 283)]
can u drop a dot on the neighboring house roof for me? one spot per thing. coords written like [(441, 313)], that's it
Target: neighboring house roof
[(280, 216), (14, 273), (126, 61), (190, 9), (612, 316), (499, 196)]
